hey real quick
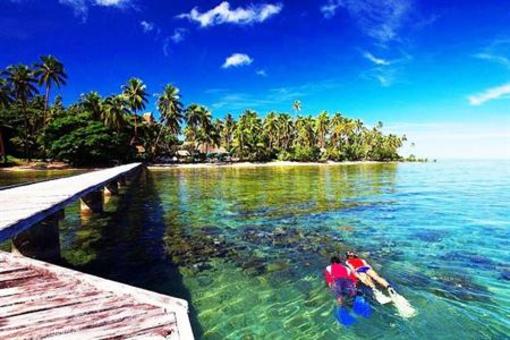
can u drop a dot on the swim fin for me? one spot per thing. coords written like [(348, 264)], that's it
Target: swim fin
[(403, 306), (362, 307), (343, 316), (380, 297)]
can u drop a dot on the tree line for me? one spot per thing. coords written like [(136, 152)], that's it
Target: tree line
[(99, 130)]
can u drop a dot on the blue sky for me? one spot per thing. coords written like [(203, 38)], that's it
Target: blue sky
[(438, 71)]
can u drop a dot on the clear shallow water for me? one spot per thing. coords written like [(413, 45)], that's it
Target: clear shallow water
[(247, 246)]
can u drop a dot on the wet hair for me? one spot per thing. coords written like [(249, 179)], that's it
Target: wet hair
[(335, 259), (351, 254)]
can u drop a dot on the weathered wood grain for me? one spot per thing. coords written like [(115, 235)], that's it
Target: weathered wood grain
[(55, 302)]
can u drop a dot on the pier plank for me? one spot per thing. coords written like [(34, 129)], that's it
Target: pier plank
[(59, 303)]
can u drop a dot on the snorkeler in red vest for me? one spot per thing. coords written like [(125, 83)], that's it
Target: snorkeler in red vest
[(340, 279)]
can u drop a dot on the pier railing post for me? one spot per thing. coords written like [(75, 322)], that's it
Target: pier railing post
[(92, 202), (121, 181), (111, 189), (41, 241)]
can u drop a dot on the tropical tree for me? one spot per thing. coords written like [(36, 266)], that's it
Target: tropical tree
[(322, 128), (170, 108), (227, 133), (171, 112), (23, 84), (49, 71), (297, 106), (285, 131), (136, 95), (271, 129), (115, 111), (5, 94), (93, 103)]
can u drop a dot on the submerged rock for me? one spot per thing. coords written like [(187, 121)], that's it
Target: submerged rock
[(473, 259), (431, 235), (459, 287), (505, 274)]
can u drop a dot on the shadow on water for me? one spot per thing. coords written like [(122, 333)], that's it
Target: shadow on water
[(126, 245)]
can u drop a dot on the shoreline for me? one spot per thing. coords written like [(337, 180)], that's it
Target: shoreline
[(241, 165), (163, 166)]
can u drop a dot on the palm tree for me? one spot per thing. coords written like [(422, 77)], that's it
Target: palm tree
[(136, 95), (337, 129), (5, 94), (50, 71), (200, 127), (285, 131), (115, 112), (93, 103), (271, 129), (297, 106), (227, 132), (22, 82), (322, 128), (5, 100), (170, 109), (193, 115)]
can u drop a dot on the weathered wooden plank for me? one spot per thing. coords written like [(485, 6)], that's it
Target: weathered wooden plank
[(35, 284), (23, 206), (72, 311), (8, 269), (63, 303), (66, 324), (52, 303), (17, 275), (66, 292), (117, 330)]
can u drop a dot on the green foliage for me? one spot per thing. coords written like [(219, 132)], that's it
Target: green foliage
[(79, 140), (306, 153), (98, 130)]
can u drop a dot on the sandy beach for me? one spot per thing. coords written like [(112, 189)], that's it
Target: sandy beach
[(252, 165)]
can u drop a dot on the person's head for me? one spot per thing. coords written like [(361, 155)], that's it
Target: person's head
[(335, 259), (350, 254)]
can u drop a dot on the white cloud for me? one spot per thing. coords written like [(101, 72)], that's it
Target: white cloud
[(489, 94), (261, 73), (375, 60), (147, 26), (166, 46), (81, 7), (494, 58), (381, 20), (178, 35), (329, 9), (112, 3), (224, 14), (236, 60)]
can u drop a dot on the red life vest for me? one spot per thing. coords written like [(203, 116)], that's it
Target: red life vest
[(356, 262), (338, 271)]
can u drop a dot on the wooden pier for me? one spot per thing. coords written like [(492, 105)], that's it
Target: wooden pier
[(42, 300)]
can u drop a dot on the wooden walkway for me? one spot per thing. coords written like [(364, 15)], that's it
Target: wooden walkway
[(40, 300), (23, 206)]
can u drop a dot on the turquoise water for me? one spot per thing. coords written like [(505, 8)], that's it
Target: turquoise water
[(247, 246)]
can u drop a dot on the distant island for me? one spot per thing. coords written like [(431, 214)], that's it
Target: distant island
[(100, 131)]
